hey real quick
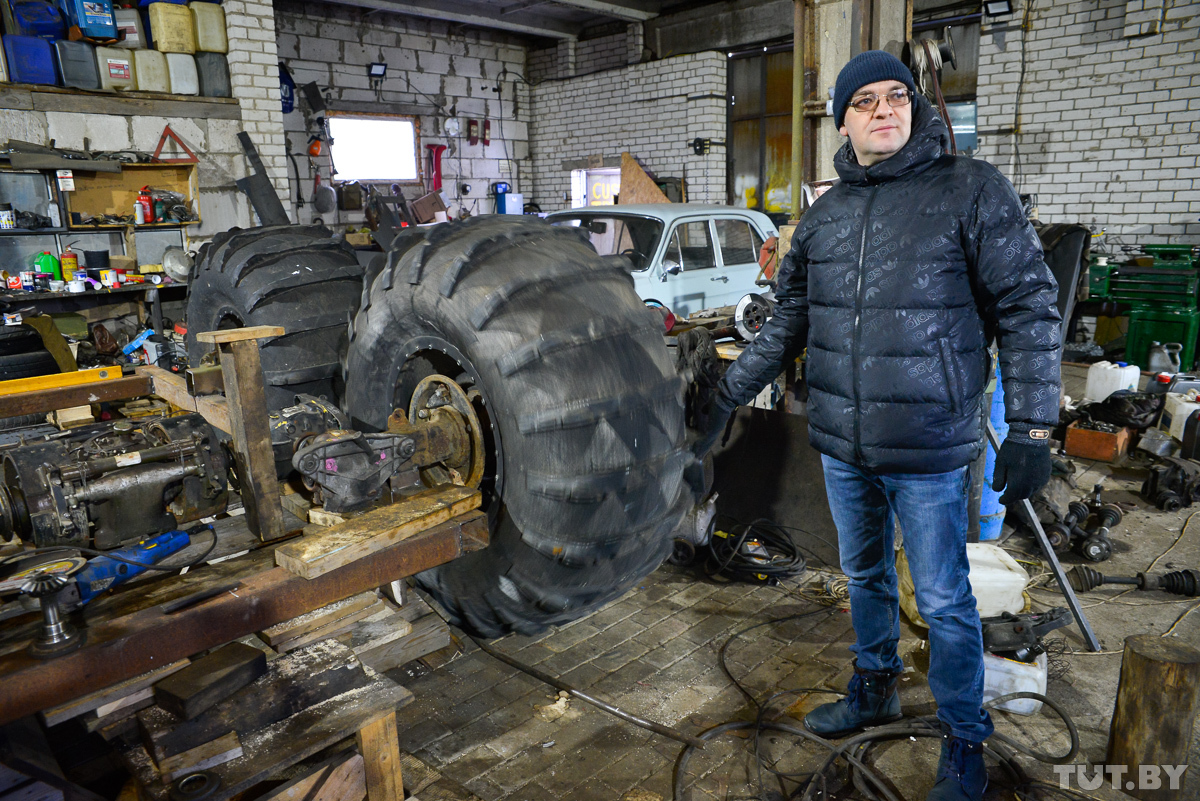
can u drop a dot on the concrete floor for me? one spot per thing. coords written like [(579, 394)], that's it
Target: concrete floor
[(655, 651)]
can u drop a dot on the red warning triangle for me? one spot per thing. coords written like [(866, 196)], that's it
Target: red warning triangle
[(169, 134)]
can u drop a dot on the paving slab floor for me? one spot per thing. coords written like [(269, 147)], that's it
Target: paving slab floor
[(655, 653)]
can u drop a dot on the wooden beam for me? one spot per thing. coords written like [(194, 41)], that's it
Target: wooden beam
[(380, 747), (141, 105), (120, 648), (316, 554), (49, 400), (339, 778), (173, 388), (226, 336)]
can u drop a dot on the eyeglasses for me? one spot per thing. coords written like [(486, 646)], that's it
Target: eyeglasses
[(868, 103)]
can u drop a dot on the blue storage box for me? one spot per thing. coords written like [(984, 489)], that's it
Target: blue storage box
[(29, 60), (94, 18), (34, 18)]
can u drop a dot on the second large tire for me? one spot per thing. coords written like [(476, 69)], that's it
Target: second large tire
[(583, 406), (303, 278)]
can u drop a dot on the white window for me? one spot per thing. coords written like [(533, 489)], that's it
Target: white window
[(374, 148)]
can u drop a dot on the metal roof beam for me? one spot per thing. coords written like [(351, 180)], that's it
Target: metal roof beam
[(608, 9), (466, 14)]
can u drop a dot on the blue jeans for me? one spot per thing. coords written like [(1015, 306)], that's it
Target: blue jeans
[(932, 509)]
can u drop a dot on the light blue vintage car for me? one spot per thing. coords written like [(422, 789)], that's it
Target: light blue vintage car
[(687, 256)]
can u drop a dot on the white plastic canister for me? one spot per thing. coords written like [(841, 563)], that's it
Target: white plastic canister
[(184, 80), (1105, 378), (997, 582), (209, 22), (1003, 676), (151, 69), (116, 69)]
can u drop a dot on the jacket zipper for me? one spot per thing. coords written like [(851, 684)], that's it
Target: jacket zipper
[(858, 307)]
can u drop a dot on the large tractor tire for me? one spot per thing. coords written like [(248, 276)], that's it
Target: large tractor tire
[(582, 407), (300, 277)]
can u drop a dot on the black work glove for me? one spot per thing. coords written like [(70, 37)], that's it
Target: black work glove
[(716, 419), (1023, 463)]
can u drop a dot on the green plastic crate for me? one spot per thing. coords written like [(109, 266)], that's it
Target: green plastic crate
[(1162, 325)]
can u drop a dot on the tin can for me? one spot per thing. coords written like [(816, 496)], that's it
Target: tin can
[(109, 278), (14, 281), (76, 285), (28, 280), (42, 281)]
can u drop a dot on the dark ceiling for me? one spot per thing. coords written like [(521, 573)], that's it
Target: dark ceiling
[(542, 19)]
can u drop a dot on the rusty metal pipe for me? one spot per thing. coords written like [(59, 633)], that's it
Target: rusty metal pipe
[(106, 464), (125, 480)]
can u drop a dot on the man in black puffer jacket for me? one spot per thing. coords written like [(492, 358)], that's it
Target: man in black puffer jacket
[(897, 280)]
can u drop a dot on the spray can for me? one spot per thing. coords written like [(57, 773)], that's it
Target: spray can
[(139, 213)]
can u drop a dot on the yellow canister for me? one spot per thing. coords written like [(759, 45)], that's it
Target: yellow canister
[(70, 263), (172, 28)]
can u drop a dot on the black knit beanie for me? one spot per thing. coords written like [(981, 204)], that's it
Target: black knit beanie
[(867, 67)]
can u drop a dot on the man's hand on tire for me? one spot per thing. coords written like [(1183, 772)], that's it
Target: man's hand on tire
[(1023, 463), (717, 418)]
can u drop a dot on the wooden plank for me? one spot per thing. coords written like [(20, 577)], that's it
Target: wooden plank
[(426, 635), (316, 554), (217, 752), (375, 632), (229, 335), (146, 638), (49, 400), (154, 106), (16, 98), (339, 778), (280, 745), (318, 618), (636, 185), (172, 387), (210, 679), (144, 694), (245, 392), (93, 722), (334, 629), (57, 380), (380, 747), (94, 700), (294, 682)]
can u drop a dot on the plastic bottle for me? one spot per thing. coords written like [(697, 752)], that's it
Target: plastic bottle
[(47, 263), (1105, 378), (1165, 358), (139, 213), (70, 263)]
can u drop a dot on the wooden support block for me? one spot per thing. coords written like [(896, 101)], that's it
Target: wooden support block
[(340, 778), (380, 747), (47, 400), (375, 632), (172, 388), (55, 715), (210, 679), (1158, 698), (319, 517), (316, 554), (124, 703), (221, 750), (429, 633), (334, 629), (229, 335), (245, 393), (71, 417), (125, 714), (318, 618)]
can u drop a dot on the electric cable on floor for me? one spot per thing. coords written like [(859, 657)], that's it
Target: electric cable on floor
[(755, 553)]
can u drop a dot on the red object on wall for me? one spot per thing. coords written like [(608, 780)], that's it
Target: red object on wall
[(433, 175), (487, 132), (473, 131)]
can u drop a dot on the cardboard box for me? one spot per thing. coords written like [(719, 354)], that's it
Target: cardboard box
[(1102, 446)]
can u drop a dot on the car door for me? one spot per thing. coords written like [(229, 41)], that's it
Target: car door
[(690, 268), (737, 244)]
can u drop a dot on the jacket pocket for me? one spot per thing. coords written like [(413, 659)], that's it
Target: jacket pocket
[(950, 370)]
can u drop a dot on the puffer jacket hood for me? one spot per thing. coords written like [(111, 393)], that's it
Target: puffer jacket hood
[(897, 280)]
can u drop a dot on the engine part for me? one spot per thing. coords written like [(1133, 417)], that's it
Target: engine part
[(108, 484), (1179, 582), (1087, 524), (349, 469), (751, 315), (1173, 484), (307, 417), (1022, 633), (46, 583)]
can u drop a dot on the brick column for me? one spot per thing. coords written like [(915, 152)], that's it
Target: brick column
[(254, 73)]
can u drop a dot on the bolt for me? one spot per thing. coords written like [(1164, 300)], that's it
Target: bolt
[(408, 448), (423, 413)]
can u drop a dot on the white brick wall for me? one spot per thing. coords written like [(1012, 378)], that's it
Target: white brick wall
[(570, 58), (429, 64), (1110, 114), (651, 110)]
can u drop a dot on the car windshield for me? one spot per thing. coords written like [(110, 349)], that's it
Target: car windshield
[(637, 237)]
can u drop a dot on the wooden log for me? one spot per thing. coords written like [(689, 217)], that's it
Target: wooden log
[(217, 752), (1158, 698), (316, 554), (247, 405), (380, 747), (210, 679), (340, 778), (297, 681)]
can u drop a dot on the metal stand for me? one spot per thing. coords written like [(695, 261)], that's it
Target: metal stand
[(1056, 568)]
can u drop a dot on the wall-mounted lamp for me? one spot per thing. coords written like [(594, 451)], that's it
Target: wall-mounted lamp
[(376, 70), (997, 8)]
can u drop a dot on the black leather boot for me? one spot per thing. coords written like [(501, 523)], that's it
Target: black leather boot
[(871, 700)]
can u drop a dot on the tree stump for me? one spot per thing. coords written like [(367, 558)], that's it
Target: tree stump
[(1158, 698)]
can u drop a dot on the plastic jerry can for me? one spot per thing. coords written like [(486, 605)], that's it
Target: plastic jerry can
[(129, 25), (94, 18), (116, 69), (1003, 676), (77, 64), (1105, 378), (213, 70), (209, 22), (29, 60), (182, 68), (172, 29), (997, 582), (150, 67), (34, 18)]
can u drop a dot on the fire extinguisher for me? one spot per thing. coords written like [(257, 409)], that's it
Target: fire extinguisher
[(147, 204)]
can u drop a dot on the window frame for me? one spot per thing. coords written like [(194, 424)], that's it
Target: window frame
[(363, 115), (759, 115)]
